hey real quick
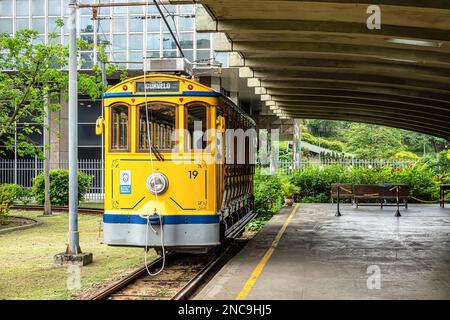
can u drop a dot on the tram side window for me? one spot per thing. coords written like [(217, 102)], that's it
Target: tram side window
[(119, 128), (161, 125), (196, 125)]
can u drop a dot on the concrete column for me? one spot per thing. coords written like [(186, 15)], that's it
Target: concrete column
[(297, 145)]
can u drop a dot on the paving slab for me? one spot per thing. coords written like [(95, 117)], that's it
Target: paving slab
[(367, 253)]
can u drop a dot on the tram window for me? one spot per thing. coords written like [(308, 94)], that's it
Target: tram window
[(119, 128), (196, 119), (161, 124)]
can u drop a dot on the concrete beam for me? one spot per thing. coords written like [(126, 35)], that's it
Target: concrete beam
[(253, 82), (260, 90), (204, 21), (221, 42), (270, 103), (266, 97), (235, 59), (245, 72)]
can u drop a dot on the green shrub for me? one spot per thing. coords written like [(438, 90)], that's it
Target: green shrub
[(59, 187), (315, 182), (9, 194), (332, 145), (268, 199)]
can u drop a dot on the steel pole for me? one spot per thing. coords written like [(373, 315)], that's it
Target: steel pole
[(74, 240)]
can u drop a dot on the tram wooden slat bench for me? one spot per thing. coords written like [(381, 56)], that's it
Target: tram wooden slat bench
[(381, 192)]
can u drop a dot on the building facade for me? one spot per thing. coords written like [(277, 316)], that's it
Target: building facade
[(128, 34)]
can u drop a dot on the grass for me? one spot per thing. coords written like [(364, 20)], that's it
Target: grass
[(26, 257)]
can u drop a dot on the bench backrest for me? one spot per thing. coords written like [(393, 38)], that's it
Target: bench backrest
[(382, 190), (346, 189)]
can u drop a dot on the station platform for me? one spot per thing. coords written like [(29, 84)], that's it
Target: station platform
[(367, 253)]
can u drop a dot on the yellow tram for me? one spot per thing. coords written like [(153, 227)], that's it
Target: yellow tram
[(177, 192)]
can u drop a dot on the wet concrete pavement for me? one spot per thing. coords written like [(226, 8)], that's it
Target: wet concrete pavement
[(367, 253)]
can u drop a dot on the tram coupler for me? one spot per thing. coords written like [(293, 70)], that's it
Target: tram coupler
[(156, 220)]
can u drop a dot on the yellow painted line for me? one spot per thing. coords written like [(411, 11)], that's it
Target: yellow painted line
[(259, 268)]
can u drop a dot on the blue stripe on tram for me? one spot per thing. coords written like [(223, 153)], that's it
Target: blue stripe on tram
[(181, 219)]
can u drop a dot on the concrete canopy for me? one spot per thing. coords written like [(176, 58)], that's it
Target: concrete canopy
[(318, 59)]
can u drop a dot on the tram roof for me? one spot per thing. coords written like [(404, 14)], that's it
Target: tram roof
[(118, 90)]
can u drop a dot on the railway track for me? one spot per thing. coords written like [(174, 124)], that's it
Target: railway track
[(57, 209), (181, 278)]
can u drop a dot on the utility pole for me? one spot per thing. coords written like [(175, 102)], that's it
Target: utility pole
[(47, 203), (73, 254)]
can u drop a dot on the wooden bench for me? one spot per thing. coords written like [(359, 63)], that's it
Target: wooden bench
[(442, 189), (345, 191), (381, 192)]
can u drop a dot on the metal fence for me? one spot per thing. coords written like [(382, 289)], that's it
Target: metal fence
[(286, 167), (23, 171)]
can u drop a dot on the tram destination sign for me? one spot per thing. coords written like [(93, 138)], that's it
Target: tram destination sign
[(158, 86)]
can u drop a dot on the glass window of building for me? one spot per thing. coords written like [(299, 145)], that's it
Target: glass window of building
[(186, 24), (22, 8), (168, 42), (119, 128), (88, 39), (196, 126), (189, 54), (119, 25), (54, 7), (104, 26), (22, 23), (37, 9), (87, 60), (6, 25), (153, 41), (119, 42), (38, 24), (52, 26), (86, 25), (203, 55), (119, 9), (161, 125), (154, 24), (187, 40), (135, 42), (6, 8), (170, 54), (203, 40), (136, 24)]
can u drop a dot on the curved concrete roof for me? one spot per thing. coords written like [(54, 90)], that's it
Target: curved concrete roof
[(318, 59)]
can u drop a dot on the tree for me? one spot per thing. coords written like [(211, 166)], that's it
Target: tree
[(373, 142), (31, 72)]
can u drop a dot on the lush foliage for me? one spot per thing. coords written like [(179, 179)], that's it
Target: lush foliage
[(315, 182), (39, 74), (268, 198), (59, 187), (373, 142), (332, 145), (405, 155), (10, 194)]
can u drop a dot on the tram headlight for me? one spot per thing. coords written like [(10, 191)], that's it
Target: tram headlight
[(157, 183)]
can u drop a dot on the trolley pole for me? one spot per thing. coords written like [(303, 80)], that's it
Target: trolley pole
[(73, 254)]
